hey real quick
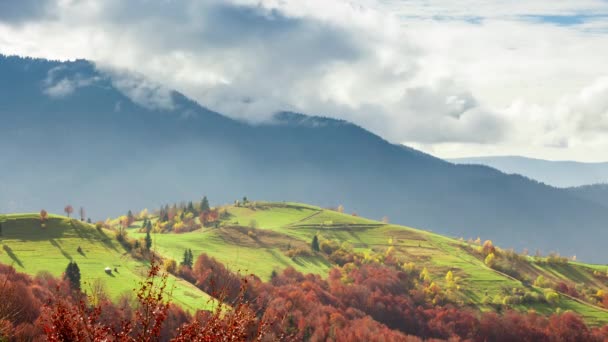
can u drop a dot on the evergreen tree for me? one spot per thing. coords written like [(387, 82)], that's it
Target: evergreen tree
[(148, 240), (72, 274), (130, 216), (190, 258), (148, 226), (0, 228), (190, 207), (315, 244), (205, 204)]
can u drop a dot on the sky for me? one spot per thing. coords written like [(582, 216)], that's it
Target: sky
[(452, 78)]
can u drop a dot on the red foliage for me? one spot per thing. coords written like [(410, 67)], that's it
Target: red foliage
[(361, 302)]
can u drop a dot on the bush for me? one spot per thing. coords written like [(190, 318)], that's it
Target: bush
[(328, 246), (170, 266), (552, 297), (298, 252)]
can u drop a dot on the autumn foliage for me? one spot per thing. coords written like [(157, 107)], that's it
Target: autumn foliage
[(360, 301)]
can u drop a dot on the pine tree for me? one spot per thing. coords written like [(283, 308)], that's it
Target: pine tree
[(148, 226), (190, 258), (190, 207), (72, 274), (205, 204), (185, 260), (315, 244), (148, 240)]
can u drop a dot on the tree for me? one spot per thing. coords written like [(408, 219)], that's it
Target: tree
[(68, 210), (188, 258), (424, 275), (490, 260), (315, 244), (72, 274), (148, 226), (82, 214), (449, 277), (148, 241), (488, 247), (43, 217), (190, 208), (205, 204), (130, 218)]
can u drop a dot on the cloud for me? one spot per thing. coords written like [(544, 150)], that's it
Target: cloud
[(140, 90), (18, 12), (58, 86), (455, 77)]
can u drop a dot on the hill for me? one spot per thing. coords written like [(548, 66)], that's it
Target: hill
[(31, 249), (264, 238), (597, 193), (110, 141), (556, 173)]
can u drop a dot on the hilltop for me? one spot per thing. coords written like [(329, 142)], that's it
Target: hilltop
[(264, 238)]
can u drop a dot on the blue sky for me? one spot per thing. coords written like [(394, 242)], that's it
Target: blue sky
[(453, 78)]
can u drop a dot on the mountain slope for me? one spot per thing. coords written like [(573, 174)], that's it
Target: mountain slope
[(555, 173), (73, 136), (597, 193), (281, 236), (31, 248)]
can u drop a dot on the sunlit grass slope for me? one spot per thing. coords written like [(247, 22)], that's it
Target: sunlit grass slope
[(30, 248), (256, 240)]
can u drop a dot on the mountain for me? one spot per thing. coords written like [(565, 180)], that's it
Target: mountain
[(109, 141), (597, 193), (556, 173)]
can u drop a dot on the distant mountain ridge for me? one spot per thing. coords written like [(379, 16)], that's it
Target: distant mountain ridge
[(556, 173), (72, 135)]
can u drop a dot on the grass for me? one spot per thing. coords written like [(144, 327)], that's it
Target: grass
[(238, 251), (32, 249), (256, 240)]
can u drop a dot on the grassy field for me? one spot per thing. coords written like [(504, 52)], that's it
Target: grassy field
[(279, 226), (31, 249), (258, 240)]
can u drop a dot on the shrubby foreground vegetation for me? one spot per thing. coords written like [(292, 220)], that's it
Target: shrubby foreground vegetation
[(357, 302)]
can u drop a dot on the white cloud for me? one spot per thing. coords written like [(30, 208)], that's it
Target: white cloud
[(57, 86), (454, 78)]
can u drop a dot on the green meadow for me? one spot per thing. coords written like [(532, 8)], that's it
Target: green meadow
[(262, 238)]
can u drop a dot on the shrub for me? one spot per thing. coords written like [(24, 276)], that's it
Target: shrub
[(552, 297), (170, 266), (490, 260)]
